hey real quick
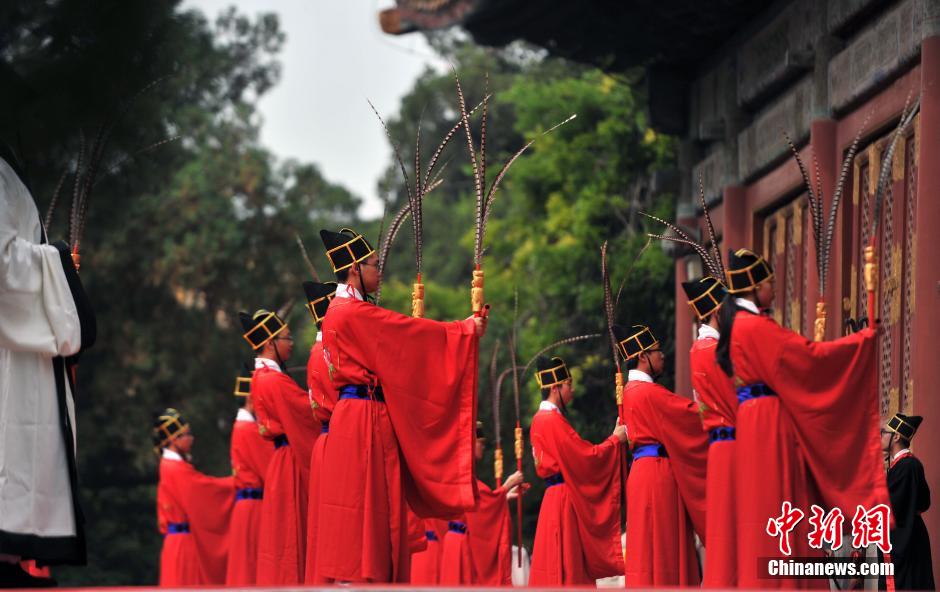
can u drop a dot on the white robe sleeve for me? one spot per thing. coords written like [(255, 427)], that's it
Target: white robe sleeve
[(37, 311)]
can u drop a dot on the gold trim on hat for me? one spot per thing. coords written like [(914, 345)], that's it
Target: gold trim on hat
[(348, 246), (239, 381), (311, 306), (262, 324), (555, 380), (711, 296), (750, 277), (164, 429), (636, 337), (900, 423)]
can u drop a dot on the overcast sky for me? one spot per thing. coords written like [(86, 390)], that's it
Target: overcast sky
[(335, 56)]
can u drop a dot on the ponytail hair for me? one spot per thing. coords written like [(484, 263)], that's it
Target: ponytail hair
[(729, 309)]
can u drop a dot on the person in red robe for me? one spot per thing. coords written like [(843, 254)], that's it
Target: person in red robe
[(666, 485), (323, 397), (477, 548), (402, 432), (714, 392), (284, 416), (193, 510), (577, 539), (795, 399), (426, 564), (251, 455)]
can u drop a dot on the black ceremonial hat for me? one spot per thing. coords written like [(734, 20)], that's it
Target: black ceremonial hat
[(260, 327), (905, 425), (345, 248), (634, 340), (746, 270), (243, 381), (705, 295), (551, 372), (318, 299), (168, 426)]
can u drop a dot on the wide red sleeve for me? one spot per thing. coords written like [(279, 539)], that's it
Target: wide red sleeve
[(209, 502), (592, 476), (489, 534), (323, 395), (680, 431), (250, 454), (428, 371), (269, 427), (830, 390), (292, 406)]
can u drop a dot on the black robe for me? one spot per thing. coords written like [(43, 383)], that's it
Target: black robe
[(910, 545)]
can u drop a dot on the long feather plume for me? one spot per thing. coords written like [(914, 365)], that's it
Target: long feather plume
[(716, 251), (477, 184), (514, 353), (55, 198), (823, 229), (609, 307), (559, 343), (811, 197), (484, 196), (627, 275), (495, 392), (86, 175), (499, 382), (836, 199), (491, 194), (306, 256), (887, 159), (415, 194), (715, 269)]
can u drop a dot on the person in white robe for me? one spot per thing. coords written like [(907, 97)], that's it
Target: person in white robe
[(45, 321)]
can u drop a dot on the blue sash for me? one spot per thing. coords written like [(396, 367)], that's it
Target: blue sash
[(754, 391), (457, 526), (648, 450), (552, 480), (280, 441), (720, 435), (254, 493), (361, 391), (177, 528)]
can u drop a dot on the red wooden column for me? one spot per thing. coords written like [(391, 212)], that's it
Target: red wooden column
[(734, 221), (925, 349), (822, 140)]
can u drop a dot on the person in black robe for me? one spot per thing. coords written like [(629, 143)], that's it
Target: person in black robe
[(910, 497)]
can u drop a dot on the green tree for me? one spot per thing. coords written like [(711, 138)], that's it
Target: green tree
[(575, 188), (179, 239)]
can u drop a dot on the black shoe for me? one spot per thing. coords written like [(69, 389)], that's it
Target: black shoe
[(14, 576)]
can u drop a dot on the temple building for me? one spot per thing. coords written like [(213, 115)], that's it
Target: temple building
[(728, 79)]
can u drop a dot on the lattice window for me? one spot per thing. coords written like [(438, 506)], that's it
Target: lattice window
[(784, 234), (895, 243)]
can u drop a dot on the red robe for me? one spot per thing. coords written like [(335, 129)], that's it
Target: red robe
[(283, 409), (577, 539), (187, 497), (426, 564), (251, 455), (323, 397), (665, 496), (416, 446), (456, 557), (821, 433), (489, 532), (719, 404)]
